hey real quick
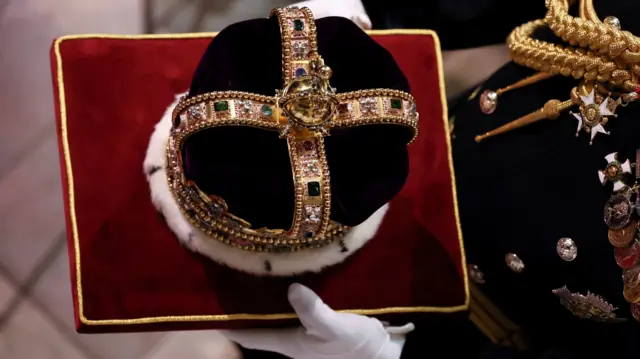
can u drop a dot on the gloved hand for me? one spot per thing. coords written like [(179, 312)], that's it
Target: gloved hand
[(351, 9), (325, 334)]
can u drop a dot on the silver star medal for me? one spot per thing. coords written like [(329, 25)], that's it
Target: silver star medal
[(590, 306), (593, 115)]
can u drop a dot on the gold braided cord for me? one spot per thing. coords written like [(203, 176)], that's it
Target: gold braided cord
[(587, 12), (567, 61), (589, 31), (599, 54)]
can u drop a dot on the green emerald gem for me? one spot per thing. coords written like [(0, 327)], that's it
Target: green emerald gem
[(221, 106), (396, 104), (313, 189), (298, 25), (266, 110)]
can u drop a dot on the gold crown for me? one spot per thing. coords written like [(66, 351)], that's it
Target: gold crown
[(304, 112)]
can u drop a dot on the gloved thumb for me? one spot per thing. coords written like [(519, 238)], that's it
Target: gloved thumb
[(403, 330), (318, 319)]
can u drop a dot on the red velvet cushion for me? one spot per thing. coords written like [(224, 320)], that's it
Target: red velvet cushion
[(128, 271)]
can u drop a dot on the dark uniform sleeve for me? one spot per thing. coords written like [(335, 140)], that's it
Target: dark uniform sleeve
[(528, 189), (465, 341), (460, 23)]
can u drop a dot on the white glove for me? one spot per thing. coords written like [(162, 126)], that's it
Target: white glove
[(326, 334), (351, 9)]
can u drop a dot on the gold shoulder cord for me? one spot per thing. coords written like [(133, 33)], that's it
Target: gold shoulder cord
[(603, 57), (588, 31)]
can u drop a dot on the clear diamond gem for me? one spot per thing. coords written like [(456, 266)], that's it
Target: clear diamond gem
[(300, 50), (412, 110), (245, 106), (312, 214), (369, 105), (311, 168), (195, 112)]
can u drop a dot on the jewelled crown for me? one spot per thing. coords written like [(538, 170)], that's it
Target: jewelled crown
[(303, 112)]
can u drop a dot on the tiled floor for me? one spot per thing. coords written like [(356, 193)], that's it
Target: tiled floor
[(36, 314)]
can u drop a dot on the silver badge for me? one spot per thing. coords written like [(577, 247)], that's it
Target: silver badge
[(590, 306), (514, 262), (475, 273), (567, 249)]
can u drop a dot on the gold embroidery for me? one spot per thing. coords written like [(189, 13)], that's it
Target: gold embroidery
[(493, 323)]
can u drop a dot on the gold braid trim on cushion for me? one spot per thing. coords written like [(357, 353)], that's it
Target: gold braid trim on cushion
[(303, 112)]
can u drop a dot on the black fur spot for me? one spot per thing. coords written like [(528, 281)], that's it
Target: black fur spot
[(153, 170), (267, 266), (343, 247), (161, 216)]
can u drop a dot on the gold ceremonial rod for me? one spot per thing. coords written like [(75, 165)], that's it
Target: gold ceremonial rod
[(550, 110), (525, 82)]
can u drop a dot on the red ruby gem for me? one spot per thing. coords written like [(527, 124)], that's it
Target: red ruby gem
[(343, 108), (627, 257), (307, 145)]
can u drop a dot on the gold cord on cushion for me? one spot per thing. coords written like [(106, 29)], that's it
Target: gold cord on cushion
[(303, 112)]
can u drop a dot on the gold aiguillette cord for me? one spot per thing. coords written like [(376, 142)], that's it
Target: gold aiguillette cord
[(525, 82)]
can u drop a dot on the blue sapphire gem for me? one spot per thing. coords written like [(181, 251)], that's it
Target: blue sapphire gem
[(266, 110)]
